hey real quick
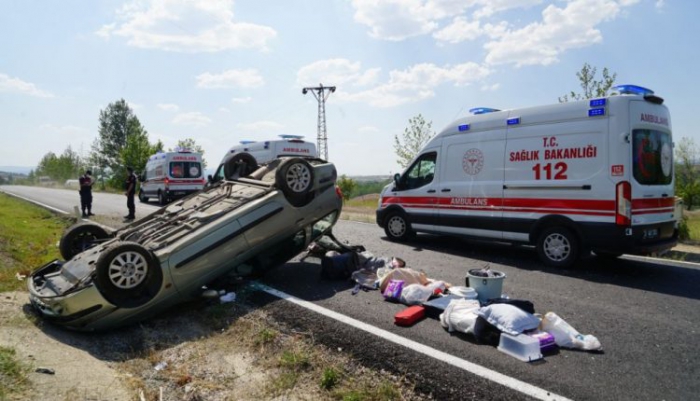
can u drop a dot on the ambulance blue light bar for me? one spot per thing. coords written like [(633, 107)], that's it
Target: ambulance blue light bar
[(513, 121), (289, 136), (596, 112), (632, 90), (597, 102), (464, 127), (246, 142), (482, 110)]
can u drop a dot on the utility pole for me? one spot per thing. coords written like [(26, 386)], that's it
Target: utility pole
[(321, 93)]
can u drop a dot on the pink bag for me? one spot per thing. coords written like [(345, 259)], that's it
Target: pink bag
[(392, 292)]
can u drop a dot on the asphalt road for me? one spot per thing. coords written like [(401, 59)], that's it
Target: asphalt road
[(643, 311)]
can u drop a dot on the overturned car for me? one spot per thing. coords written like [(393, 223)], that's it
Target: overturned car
[(253, 219)]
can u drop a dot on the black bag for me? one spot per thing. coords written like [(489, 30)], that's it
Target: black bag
[(339, 267)]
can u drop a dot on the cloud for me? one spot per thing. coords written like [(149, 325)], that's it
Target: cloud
[(194, 119), (241, 99), (185, 26), (561, 29), (67, 130), (490, 88), (338, 72), (260, 126), (16, 85), (168, 107), (413, 84), (397, 20), (248, 78)]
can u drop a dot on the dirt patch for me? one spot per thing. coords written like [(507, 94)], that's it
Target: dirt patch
[(203, 350)]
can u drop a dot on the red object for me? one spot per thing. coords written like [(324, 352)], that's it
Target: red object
[(409, 316)]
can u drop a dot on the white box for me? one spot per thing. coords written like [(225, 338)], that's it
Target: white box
[(522, 347)]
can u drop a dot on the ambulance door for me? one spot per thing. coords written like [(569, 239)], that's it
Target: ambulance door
[(416, 191), (470, 193)]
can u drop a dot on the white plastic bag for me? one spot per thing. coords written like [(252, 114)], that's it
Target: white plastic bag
[(460, 315), (415, 294), (566, 336)]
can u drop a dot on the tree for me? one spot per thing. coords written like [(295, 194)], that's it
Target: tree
[(591, 87), (347, 186), (135, 154), (415, 136), (116, 123), (687, 182), (60, 168), (189, 144)]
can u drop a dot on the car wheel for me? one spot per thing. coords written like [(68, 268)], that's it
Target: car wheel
[(296, 178), (558, 247), (161, 198), (80, 237), (128, 275), (240, 165), (142, 197), (397, 227)]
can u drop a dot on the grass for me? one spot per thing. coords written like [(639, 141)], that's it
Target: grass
[(693, 221), (28, 238), (13, 374)]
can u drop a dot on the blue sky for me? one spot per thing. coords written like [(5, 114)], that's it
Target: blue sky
[(222, 71)]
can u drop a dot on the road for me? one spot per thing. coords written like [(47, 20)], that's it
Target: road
[(643, 311)]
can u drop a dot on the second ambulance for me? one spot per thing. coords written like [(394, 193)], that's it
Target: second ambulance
[(569, 178)]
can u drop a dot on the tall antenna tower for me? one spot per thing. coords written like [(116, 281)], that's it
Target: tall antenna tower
[(321, 93)]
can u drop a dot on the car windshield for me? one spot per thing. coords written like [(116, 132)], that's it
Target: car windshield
[(652, 157)]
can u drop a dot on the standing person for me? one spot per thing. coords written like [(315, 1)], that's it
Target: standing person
[(130, 192), (85, 191)]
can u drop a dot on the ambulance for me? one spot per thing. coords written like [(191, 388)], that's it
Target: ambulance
[(568, 178), (172, 175), (261, 152)]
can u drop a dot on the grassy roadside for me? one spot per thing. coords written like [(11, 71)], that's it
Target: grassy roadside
[(233, 351)]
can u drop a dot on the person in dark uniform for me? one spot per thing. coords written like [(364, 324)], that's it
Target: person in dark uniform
[(85, 191), (130, 192)]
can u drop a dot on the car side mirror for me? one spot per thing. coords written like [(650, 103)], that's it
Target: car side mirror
[(397, 178)]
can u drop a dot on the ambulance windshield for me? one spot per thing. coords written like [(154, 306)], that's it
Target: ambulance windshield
[(652, 157)]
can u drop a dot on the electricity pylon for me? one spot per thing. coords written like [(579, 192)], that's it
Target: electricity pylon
[(321, 93)]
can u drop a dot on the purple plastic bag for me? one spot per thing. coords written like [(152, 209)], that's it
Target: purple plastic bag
[(393, 290)]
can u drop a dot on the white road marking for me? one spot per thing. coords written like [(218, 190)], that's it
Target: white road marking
[(470, 367)]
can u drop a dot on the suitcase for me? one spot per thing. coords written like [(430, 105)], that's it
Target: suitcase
[(409, 316)]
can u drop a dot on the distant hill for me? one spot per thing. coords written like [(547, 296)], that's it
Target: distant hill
[(16, 169)]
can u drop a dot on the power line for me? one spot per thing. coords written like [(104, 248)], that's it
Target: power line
[(321, 93)]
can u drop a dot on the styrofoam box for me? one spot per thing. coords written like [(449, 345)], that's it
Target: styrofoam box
[(522, 347)]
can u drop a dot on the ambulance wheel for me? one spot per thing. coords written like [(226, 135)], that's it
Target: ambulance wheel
[(295, 178), (142, 197), (397, 227), (161, 198), (558, 247), (79, 238), (242, 164), (128, 275)]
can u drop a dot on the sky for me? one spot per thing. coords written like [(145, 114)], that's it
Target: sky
[(223, 71)]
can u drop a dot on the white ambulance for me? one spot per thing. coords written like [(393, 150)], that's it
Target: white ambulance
[(569, 178), (255, 153), (172, 175)]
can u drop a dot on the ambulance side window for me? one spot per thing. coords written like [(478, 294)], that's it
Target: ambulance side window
[(420, 173)]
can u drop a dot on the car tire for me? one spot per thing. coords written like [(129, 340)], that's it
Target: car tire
[(233, 165), (558, 247), (295, 178), (397, 227), (80, 237), (162, 200), (128, 275), (142, 197)]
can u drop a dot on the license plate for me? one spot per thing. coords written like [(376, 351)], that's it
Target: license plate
[(651, 233)]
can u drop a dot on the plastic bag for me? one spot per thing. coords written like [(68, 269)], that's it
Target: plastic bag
[(566, 336), (393, 290), (415, 294), (460, 315)]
